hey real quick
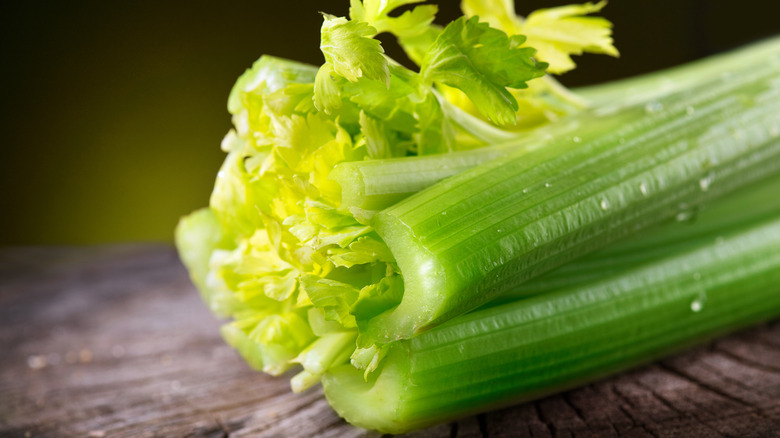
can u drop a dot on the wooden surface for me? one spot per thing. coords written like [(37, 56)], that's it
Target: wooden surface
[(114, 342)]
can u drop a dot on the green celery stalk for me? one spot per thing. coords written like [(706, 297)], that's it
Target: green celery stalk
[(378, 184), (472, 237), (691, 74), (723, 276), (739, 210)]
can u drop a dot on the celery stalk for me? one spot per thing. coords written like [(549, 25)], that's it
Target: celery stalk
[(739, 210), (471, 238), (721, 280), (378, 184), (673, 79)]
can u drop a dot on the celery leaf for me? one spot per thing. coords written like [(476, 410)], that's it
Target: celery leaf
[(482, 62), (555, 33), (376, 13), (349, 46)]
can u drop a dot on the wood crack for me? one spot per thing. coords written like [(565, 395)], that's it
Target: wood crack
[(566, 396), (567, 399), (727, 377), (628, 413), (681, 413), (225, 429), (288, 415), (548, 425), (707, 387), (483, 425)]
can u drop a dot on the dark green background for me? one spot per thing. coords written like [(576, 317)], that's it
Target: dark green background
[(112, 113)]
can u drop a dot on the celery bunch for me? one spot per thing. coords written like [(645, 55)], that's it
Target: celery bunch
[(302, 274), (314, 247)]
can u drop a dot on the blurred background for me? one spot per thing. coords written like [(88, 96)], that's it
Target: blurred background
[(112, 112)]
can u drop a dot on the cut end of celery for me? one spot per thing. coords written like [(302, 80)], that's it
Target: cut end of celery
[(303, 381), (424, 286), (362, 187), (327, 351), (373, 404)]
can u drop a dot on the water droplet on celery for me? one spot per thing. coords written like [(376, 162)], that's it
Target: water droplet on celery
[(685, 213), (604, 204), (683, 216), (444, 213), (548, 185), (701, 299), (643, 189), (705, 182), (576, 139)]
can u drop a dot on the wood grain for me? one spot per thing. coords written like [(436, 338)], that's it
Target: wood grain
[(114, 341)]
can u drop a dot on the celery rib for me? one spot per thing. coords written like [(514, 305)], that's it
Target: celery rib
[(742, 209), (532, 347), (472, 237), (673, 79)]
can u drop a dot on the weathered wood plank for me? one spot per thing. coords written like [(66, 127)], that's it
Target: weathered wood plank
[(114, 342)]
